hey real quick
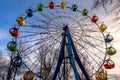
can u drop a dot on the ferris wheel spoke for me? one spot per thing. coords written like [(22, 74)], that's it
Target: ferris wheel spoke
[(28, 59), (93, 45), (90, 30), (60, 16), (58, 20), (56, 37), (85, 39), (62, 19), (29, 41), (45, 27), (51, 12), (33, 34), (35, 44), (37, 62), (80, 44), (73, 23), (67, 20), (34, 20), (55, 22), (91, 57), (31, 52), (57, 25), (36, 48), (87, 64), (93, 70), (97, 56), (46, 16), (34, 26), (56, 31), (38, 20), (93, 37)]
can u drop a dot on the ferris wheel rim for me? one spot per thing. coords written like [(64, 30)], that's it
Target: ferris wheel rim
[(87, 16)]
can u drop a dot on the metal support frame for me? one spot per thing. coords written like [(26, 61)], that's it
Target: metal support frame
[(73, 56)]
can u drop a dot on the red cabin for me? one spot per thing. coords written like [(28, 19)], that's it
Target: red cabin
[(14, 32), (51, 5), (109, 64), (94, 19)]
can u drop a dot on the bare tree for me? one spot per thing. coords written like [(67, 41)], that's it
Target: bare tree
[(46, 57), (4, 62), (106, 5), (101, 3)]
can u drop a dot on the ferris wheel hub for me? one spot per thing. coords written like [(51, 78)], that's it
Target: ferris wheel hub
[(66, 26)]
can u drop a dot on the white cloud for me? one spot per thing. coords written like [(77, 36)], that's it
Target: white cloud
[(3, 34)]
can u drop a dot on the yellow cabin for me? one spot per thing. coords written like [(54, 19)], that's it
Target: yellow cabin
[(101, 75), (29, 75), (20, 20), (63, 5), (102, 27)]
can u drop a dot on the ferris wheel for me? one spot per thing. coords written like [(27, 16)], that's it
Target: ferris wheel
[(59, 39)]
